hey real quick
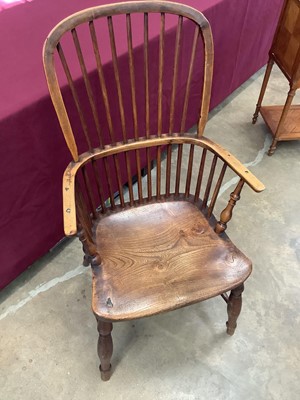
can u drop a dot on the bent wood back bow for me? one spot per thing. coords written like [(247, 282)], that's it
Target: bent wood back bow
[(150, 57)]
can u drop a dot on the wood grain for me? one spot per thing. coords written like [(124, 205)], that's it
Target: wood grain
[(291, 126), (161, 257)]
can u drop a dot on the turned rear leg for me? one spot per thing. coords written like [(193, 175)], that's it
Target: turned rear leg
[(105, 348), (234, 307)]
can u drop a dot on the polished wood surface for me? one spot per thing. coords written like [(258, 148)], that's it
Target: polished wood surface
[(156, 246), (234, 306), (285, 52), (285, 47), (291, 126), (160, 257), (105, 348)]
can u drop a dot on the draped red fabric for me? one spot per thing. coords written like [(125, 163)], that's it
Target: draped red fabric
[(32, 150)]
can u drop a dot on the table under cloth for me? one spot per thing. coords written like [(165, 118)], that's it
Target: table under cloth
[(32, 149)]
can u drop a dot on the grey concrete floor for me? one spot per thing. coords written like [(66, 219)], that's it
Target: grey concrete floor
[(48, 333)]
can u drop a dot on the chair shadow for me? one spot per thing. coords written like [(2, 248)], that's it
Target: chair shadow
[(146, 328)]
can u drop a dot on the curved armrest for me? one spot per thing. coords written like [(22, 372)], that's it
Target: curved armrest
[(69, 205), (235, 165)]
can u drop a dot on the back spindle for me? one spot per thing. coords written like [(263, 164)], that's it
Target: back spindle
[(119, 179), (89, 191), (132, 75), (200, 175), (160, 72), (139, 176), (75, 95), (158, 172), (117, 76), (83, 213), (146, 76), (209, 181), (216, 191), (189, 171), (147, 104), (129, 178), (168, 169), (189, 79), (109, 183), (87, 84), (102, 82), (178, 169), (149, 176), (99, 186), (175, 72)]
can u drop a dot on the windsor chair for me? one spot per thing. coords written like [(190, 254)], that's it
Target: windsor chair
[(153, 245)]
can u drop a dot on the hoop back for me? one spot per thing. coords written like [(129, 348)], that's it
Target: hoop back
[(113, 77)]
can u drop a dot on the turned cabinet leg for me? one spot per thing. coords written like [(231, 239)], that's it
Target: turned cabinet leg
[(105, 348), (263, 89), (284, 114), (234, 307), (273, 147)]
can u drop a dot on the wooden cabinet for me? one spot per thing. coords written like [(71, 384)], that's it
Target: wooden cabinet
[(284, 121)]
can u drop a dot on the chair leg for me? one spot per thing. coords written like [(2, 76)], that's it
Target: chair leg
[(87, 259), (105, 348), (234, 307)]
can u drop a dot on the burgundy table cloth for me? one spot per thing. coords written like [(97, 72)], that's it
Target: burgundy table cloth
[(32, 149)]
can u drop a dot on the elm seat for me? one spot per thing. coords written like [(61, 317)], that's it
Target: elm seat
[(152, 253)]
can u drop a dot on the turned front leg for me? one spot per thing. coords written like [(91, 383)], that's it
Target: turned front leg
[(105, 348), (234, 307)]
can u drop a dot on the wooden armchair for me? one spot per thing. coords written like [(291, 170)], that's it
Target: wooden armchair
[(154, 245)]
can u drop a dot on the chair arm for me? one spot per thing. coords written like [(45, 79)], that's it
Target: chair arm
[(69, 207), (69, 204), (235, 165)]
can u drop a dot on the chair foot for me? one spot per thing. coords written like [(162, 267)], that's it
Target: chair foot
[(87, 259), (105, 375), (234, 307), (105, 348)]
